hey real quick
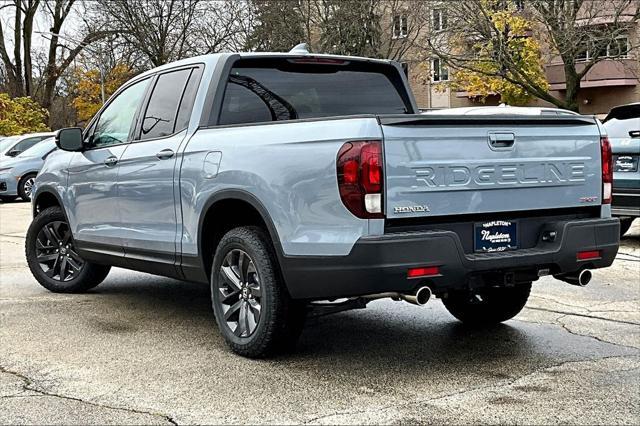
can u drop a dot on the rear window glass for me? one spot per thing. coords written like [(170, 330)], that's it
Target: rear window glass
[(273, 90)]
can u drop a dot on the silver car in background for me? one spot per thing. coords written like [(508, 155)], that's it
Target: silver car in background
[(18, 174), (12, 146)]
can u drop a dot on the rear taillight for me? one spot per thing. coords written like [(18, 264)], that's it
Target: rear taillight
[(607, 170), (360, 178)]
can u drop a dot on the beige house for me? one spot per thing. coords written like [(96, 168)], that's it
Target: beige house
[(610, 82)]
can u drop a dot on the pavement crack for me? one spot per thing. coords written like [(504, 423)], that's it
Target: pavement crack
[(599, 339), (30, 386), (564, 313)]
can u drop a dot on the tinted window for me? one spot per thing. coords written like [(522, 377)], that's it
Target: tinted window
[(115, 121), (27, 143), (40, 149), (189, 96), (272, 90), (160, 117)]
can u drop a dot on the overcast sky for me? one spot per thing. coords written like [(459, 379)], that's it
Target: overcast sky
[(71, 25)]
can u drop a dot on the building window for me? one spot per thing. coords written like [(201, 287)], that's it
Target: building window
[(619, 47), (439, 71), (400, 27), (438, 19)]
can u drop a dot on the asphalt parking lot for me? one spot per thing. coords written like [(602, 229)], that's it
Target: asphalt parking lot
[(142, 349)]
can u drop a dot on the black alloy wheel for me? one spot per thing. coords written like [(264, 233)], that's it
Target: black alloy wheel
[(240, 293)]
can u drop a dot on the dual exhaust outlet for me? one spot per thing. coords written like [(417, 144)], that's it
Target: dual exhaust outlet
[(423, 294)]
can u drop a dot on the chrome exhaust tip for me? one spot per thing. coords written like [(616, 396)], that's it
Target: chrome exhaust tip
[(420, 298), (580, 279), (584, 277)]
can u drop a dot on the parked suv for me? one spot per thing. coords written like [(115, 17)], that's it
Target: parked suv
[(623, 127), (295, 183)]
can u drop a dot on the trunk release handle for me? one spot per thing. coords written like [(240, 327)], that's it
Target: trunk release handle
[(500, 141)]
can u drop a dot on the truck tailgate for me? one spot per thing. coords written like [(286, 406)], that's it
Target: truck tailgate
[(444, 165)]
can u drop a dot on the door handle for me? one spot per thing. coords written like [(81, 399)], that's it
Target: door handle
[(164, 154), (111, 161)]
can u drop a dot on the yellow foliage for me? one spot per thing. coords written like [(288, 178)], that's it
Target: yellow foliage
[(21, 115), (89, 97), (525, 51)]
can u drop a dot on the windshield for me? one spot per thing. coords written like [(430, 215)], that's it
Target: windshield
[(621, 128), (8, 143), (40, 149)]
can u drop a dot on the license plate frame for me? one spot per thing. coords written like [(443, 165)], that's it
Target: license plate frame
[(495, 236), (625, 163)]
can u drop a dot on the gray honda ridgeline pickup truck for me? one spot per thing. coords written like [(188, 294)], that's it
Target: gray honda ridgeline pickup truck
[(297, 184)]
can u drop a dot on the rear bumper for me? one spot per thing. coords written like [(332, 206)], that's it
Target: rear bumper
[(380, 264)]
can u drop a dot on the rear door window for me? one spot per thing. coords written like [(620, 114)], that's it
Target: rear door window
[(260, 90), (161, 113)]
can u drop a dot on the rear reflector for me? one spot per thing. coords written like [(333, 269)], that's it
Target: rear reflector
[(588, 255), (423, 272)]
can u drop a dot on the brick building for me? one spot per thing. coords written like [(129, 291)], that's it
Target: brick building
[(610, 82)]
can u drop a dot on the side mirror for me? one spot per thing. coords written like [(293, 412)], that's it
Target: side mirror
[(69, 139), (13, 153)]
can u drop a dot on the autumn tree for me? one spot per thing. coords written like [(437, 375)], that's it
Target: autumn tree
[(486, 75), (88, 97), (569, 27), (21, 115)]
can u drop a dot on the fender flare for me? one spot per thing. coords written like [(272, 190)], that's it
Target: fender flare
[(249, 198)]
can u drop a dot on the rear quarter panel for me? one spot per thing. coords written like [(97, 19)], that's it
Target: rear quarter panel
[(289, 167)]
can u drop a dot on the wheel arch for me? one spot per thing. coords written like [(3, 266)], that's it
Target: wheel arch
[(45, 198), (224, 211)]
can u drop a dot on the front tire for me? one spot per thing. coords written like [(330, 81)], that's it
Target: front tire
[(254, 312), (25, 185), (488, 306), (52, 257)]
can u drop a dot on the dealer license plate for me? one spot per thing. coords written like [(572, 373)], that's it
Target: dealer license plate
[(496, 235)]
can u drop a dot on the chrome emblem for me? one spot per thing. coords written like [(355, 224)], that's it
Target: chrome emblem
[(411, 209)]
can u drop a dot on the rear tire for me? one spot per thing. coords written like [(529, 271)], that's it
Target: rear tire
[(52, 256), (252, 307), (625, 224), (25, 185), (488, 306)]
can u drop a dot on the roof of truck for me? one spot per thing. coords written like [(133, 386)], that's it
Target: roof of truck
[(212, 59)]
